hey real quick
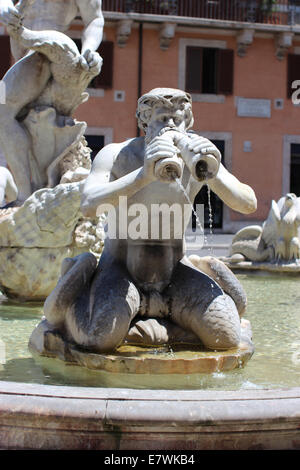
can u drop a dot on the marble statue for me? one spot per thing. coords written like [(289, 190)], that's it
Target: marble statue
[(145, 289), (45, 86), (277, 241), (36, 237), (8, 188)]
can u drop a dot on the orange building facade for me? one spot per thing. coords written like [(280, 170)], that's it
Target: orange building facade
[(240, 75)]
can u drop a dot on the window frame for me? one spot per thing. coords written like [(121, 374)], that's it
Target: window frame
[(182, 62), (288, 139)]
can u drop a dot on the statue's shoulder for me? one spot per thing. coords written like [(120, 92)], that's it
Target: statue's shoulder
[(132, 148), (120, 157), (130, 156)]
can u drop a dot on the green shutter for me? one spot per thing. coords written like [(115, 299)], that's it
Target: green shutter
[(193, 69), (293, 72), (105, 78), (225, 63)]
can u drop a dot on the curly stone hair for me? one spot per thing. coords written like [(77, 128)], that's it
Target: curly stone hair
[(169, 97)]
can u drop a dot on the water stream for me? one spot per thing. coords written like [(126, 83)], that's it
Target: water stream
[(187, 197), (210, 219)]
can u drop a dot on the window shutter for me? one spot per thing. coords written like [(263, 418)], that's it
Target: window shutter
[(193, 69), (105, 79), (293, 72), (225, 71), (4, 55)]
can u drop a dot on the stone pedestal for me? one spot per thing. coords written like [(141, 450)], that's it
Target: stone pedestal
[(167, 359)]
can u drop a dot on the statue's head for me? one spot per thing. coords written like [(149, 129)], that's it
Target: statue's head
[(171, 101)]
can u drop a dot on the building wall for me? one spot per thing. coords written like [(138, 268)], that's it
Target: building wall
[(104, 111), (257, 75)]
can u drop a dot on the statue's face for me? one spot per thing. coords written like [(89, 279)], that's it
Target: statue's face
[(163, 118)]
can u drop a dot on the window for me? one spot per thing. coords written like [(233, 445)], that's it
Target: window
[(209, 70), (293, 72), (95, 143), (5, 55), (295, 169), (105, 78)]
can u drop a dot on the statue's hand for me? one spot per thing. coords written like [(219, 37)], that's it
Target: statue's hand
[(93, 60), (158, 149), (203, 146), (10, 16)]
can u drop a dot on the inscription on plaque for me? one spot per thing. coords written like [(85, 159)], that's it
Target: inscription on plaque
[(249, 107)]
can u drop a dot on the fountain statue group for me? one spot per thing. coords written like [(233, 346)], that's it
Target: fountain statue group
[(144, 289), (43, 144), (273, 247)]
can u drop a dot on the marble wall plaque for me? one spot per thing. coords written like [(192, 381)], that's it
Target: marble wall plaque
[(249, 107)]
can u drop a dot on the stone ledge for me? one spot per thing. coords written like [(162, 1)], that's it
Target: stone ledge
[(244, 266), (51, 417)]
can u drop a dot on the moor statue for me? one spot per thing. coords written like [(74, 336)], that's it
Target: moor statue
[(145, 289)]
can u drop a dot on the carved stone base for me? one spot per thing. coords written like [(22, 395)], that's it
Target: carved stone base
[(244, 266), (168, 359)]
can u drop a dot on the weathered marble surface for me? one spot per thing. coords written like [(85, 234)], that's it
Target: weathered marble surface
[(36, 237), (34, 416), (8, 188), (183, 356), (45, 86), (43, 144)]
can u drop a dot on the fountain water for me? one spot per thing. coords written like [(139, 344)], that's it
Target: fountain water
[(256, 407), (210, 220)]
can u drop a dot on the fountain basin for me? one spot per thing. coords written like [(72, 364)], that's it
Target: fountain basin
[(71, 407), (52, 417)]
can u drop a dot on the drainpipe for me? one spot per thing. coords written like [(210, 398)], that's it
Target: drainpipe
[(140, 68)]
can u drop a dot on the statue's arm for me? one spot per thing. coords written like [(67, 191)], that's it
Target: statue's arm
[(238, 196), (92, 17), (8, 188), (5, 5), (100, 186), (9, 15)]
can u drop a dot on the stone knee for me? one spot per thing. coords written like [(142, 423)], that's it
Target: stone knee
[(219, 326), (106, 323), (76, 274), (111, 330)]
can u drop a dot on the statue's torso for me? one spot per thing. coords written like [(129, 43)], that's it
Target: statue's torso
[(149, 259), (50, 14), (45, 15)]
